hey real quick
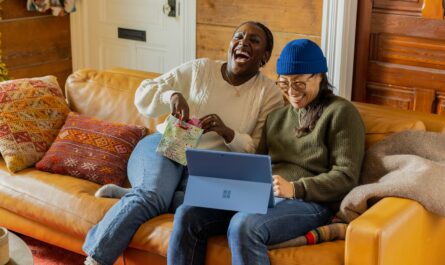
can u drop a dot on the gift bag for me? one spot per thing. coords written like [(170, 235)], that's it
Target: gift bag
[(178, 136)]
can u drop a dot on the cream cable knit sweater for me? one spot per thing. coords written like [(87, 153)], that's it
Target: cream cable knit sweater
[(242, 108)]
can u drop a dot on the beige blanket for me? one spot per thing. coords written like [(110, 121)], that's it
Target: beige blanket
[(409, 164)]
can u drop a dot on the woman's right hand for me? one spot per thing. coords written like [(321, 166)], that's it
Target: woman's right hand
[(179, 107)]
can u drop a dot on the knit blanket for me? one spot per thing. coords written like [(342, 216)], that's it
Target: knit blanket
[(408, 164)]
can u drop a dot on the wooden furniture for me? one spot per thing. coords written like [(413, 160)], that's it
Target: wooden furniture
[(34, 44), (400, 54)]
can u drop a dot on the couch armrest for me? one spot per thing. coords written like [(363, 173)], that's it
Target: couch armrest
[(396, 231)]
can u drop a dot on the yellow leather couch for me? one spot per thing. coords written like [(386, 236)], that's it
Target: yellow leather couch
[(61, 209)]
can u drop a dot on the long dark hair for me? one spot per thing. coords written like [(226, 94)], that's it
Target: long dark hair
[(309, 116)]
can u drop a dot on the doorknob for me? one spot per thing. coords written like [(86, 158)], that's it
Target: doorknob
[(170, 8)]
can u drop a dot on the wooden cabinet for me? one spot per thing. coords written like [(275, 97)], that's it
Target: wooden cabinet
[(400, 54), (34, 44)]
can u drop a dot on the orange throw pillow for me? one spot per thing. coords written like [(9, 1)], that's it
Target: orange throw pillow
[(32, 111), (92, 149)]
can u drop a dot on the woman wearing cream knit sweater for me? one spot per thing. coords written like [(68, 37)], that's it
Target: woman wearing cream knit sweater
[(232, 100)]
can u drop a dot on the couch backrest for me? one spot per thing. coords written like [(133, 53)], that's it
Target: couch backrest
[(109, 95), (381, 121)]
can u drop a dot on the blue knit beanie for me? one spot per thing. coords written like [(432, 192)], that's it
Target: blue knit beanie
[(301, 56)]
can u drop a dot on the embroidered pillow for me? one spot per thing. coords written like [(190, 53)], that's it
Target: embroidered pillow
[(31, 113), (92, 149)]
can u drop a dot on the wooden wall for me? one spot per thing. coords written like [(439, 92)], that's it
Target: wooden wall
[(400, 54), (288, 20), (34, 44)]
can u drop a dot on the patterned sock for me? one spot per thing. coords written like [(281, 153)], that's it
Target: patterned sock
[(90, 261), (111, 191)]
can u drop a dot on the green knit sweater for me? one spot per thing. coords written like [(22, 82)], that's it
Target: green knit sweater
[(324, 164)]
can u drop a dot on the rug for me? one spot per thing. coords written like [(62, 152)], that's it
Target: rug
[(46, 254)]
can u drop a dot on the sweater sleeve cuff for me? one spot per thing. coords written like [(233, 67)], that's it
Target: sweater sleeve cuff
[(237, 143), (166, 95), (300, 191)]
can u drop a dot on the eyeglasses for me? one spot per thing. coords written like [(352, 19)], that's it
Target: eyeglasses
[(296, 86)]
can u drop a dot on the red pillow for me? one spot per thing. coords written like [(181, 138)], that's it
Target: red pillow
[(92, 149)]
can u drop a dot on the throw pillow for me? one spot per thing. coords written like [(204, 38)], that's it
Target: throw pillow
[(32, 111), (92, 149)]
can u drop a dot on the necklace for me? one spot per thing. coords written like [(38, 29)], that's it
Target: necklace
[(226, 76)]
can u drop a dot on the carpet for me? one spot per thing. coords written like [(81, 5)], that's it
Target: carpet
[(46, 254)]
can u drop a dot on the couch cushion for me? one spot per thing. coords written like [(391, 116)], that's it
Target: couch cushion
[(92, 149), (94, 93), (68, 204), (379, 126), (32, 111)]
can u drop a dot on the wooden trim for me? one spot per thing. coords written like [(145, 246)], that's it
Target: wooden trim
[(433, 9), (363, 32), (424, 100), (79, 33), (188, 16)]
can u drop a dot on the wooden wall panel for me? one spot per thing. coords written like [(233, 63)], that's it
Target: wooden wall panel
[(402, 50), (407, 50), (401, 25), (288, 20), (394, 96), (302, 16), (401, 7), (35, 44), (407, 76), (213, 42)]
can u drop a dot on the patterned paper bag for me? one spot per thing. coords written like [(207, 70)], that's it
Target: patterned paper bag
[(178, 136)]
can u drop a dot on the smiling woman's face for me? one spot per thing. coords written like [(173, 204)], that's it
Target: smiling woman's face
[(304, 89), (247, 50)]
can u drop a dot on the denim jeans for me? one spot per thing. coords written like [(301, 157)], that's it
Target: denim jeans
[(248, 234), (154, 179)]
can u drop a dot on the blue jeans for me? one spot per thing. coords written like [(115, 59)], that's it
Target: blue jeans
[(248, 234), (154, 179)]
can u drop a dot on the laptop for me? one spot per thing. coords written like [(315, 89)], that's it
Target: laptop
[(229, 181)]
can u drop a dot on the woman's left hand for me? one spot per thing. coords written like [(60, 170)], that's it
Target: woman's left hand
[(282, 188), (213, 123)]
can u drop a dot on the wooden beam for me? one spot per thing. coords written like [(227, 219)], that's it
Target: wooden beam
[(362, 37)]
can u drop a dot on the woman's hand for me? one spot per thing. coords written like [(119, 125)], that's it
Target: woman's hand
[(179, 107), (213, 123), (282, 188)]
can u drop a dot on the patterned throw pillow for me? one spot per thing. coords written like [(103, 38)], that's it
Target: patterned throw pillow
[(92, 149), (31, 114)]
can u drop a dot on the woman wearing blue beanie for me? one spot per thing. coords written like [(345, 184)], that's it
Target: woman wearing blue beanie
[(316, 144)]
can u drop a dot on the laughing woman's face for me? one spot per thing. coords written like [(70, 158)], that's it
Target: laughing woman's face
[(301, 90), (247, 50)]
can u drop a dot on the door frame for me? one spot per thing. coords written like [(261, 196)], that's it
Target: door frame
[(338, 43), (79, 32)]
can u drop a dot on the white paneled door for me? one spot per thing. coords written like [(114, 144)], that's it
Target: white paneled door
[(137, 34)]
